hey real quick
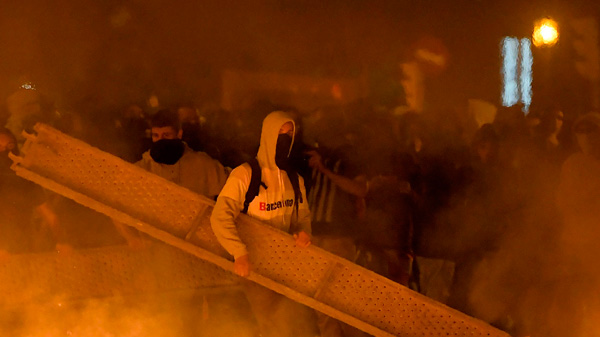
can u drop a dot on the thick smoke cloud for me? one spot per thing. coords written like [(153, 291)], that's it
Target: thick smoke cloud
[(114, 51), (96, 57)]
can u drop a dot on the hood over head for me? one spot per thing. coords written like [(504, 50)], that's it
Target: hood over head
[(268, 137)]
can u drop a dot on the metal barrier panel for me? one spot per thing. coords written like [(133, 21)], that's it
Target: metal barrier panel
[(105, 272), (180, 218)]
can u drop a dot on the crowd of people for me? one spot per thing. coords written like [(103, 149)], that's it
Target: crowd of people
[(510, 203)]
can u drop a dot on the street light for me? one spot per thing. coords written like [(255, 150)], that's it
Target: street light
[(545, 33)]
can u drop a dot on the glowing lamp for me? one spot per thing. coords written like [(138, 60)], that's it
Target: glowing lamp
[(545, 33)]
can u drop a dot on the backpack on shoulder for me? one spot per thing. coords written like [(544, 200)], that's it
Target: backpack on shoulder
[(256, 182)]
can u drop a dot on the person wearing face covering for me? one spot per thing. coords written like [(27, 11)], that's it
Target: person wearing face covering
[(280, 203), (171, 158)]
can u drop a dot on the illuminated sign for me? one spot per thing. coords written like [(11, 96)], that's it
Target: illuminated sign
[(517, 62)]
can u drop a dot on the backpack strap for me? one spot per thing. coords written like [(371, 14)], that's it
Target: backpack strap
[(255, 183)]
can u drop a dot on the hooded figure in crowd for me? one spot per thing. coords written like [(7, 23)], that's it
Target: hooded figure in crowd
[(280, 203), (275, 204)]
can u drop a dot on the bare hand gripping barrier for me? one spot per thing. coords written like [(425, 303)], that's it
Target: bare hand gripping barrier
[(180, 218)]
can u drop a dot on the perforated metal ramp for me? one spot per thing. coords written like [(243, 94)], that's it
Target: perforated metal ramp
[(106, 272), (180, 218)]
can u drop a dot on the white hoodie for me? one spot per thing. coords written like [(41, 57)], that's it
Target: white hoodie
[(274, 205)]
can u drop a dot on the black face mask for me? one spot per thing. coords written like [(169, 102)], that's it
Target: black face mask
[(282, 150), (167, 151)]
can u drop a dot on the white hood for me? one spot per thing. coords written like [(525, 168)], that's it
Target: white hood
[(268, 138)]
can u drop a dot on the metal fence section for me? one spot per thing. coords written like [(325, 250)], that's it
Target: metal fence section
[(180, 218), (105, 272)]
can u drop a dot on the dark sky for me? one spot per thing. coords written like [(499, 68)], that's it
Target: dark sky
[(110, 51)]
